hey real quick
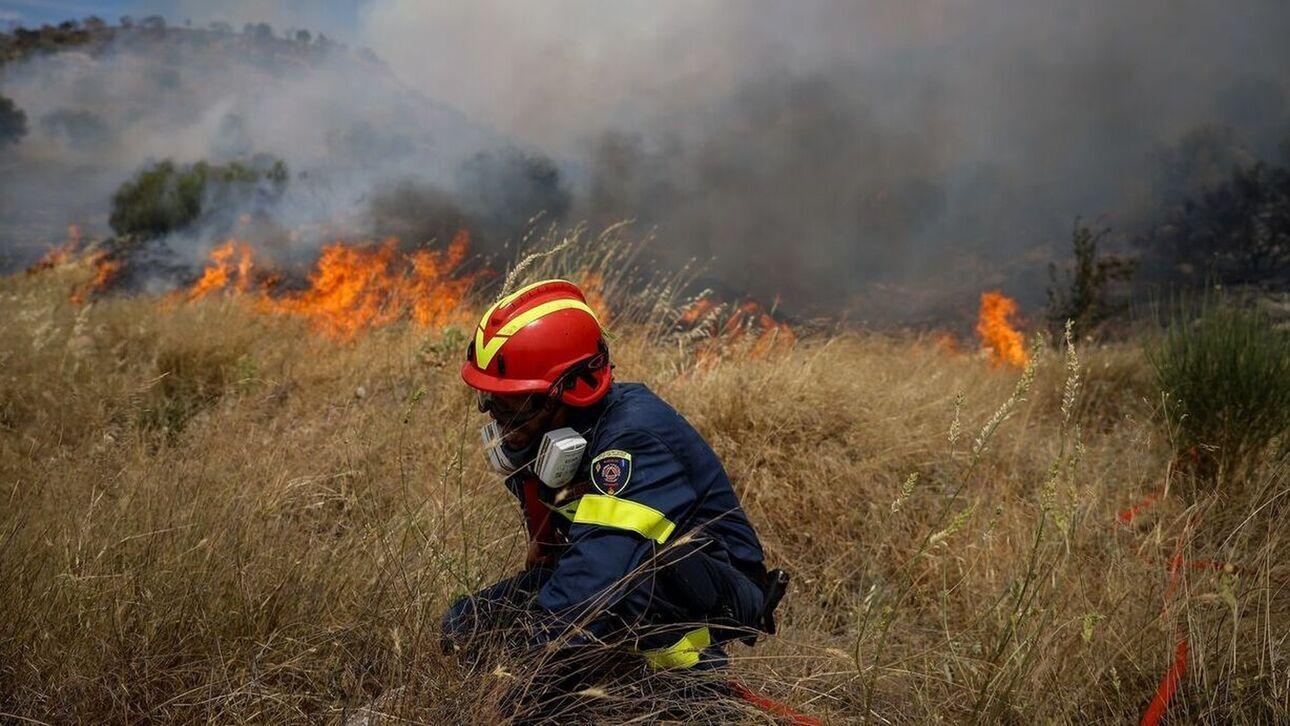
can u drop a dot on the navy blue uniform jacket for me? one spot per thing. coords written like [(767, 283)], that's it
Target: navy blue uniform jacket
[(650, 479)]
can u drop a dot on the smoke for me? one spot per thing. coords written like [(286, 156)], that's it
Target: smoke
[(815, 149), (882, 159), (367, 156)]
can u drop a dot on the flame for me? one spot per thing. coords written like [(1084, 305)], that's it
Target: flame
[(593, 288), (697, 311), (351, 288), (104, 266), (997, 329), (945, 341), (220, 270), (106, 269), (722, 327), (55, 256), (752, 320)]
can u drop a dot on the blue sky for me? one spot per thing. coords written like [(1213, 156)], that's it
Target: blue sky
[(36, 12), (337, 18)]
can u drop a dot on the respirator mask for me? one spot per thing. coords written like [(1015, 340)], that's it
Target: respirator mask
[(557, 457)]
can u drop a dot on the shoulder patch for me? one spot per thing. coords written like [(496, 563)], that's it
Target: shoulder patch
[(610, 471)]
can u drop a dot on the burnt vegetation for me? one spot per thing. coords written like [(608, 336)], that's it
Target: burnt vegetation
[(13, 122), (1090, 292), (1236, 232)]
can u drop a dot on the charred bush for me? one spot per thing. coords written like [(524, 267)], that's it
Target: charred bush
[(1084, 292), (13, 122), (1236, 233), (509, 187), (415, 212)]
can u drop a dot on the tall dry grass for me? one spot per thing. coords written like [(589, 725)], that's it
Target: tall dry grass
[(213, 515)]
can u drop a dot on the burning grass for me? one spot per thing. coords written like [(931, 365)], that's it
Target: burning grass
[(212, 514), (352, 287)]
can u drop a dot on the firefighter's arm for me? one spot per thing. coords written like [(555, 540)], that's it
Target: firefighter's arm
[(638, 493)]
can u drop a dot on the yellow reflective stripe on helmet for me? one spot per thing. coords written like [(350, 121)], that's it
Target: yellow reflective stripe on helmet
[(684, 653), (485, 350), (541, 311), (483, 322), (623, 514)]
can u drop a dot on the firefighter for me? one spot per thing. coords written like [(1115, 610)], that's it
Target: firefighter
[(637, 539)]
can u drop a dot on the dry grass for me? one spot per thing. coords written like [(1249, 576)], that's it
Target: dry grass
[(213, 515)]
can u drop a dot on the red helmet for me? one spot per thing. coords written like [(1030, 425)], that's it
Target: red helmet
[(543, 339)]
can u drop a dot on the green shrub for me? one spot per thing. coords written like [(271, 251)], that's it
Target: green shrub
[(163, 197), (1225, 376)]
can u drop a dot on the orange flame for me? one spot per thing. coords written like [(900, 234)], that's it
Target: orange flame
[(59, 255), (105, 270), (593, 288), (54, 257), (997, 329), (351, 288), (747, 325), (945, 341), (221, 270), (696, 311)]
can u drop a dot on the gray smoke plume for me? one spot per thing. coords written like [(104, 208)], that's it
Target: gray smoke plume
[(367, 156), (884, 160), (837, 151)]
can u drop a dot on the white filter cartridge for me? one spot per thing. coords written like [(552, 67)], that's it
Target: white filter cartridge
[(559, 456)]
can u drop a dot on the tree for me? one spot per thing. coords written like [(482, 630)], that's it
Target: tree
[(258, 31), (1083, 294), (1237, 233), (13, 122)]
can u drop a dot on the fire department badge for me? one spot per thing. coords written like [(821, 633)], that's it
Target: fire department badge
[(610, 471)]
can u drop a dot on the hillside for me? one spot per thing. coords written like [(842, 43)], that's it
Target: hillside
[(102, 103)]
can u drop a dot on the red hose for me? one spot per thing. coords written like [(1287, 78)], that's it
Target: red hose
[(1168, 687), (771, 706)]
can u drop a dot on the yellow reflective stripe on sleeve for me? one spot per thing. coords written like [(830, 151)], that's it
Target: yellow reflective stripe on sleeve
[(684, 653), (485, 350), (624, 514)]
